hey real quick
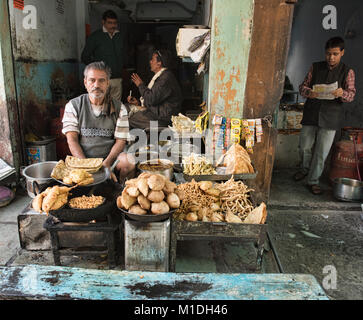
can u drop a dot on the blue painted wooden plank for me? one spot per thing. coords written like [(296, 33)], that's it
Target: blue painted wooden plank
[(52, 282)]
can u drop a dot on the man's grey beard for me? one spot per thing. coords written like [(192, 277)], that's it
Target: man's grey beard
[(97, 95)]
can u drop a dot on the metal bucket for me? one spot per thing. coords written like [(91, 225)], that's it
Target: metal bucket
[(38, 175), (40, 151), (346, 189)]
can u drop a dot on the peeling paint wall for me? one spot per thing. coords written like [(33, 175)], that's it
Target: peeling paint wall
[(230, 45), (10, 146), (46, 60), (54, 38), (5, 148)]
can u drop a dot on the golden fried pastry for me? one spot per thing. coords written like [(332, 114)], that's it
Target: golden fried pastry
[(156, 182), (79, 175), (143, 186), (136, 209), (191, 216), (257, 215), (205, 185), (230, 217), (156, 196), (173, 201), (50, 199), (68, 180), (61, 200), (37, 202), (160, 207), (87, 181), (144, 202), (88, 164), (60, 171), (169, 187), (133, 191), (126, 200)]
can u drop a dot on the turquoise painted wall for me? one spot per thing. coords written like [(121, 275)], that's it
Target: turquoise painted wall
[(230, 47)]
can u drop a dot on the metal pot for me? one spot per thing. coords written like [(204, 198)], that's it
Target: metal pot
[(347, 189), (38, 175), (168, 173)]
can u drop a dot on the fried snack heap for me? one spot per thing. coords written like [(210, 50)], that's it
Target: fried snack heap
[(71, 176), (80, 177), (221, 202), (181, 124), (51, 199), (197, 165), (149, 194), (235, 198), (85, 202), (236, 160)]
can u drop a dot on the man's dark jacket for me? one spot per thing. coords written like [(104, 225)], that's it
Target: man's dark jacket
[(100, 47), (164, 99)]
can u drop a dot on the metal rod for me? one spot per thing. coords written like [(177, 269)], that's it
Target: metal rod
[(275, 253)]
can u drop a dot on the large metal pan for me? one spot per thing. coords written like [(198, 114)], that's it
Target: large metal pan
[(148, 217), (67, 214), (37, 176), (108, 190), (346, 189)]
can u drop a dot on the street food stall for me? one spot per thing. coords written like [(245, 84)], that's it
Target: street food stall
[(221, 155)]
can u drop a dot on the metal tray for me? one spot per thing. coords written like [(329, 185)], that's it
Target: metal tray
[(100, 176), (220, 176), (148, 217)]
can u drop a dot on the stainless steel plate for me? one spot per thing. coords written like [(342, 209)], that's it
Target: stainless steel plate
[(100, 176)]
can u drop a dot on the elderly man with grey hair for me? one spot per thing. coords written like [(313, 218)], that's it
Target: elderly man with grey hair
[(95, 124)]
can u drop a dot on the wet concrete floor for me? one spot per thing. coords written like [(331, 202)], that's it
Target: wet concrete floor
[(310, 234)]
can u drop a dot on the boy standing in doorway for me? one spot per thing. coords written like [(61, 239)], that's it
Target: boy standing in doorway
[(321, 118)]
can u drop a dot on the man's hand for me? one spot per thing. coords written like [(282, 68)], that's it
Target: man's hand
[(136, 79), (312, 95), (133, 101), (112, 175), (337, 93)]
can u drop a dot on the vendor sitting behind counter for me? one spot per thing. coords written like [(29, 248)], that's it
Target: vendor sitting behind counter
[(96, 125), (160, 100)]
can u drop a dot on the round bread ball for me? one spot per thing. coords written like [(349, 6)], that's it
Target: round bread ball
[(173, 201), (156, 196), (156, 182), (136, 209), (160, 208), (144, 202)]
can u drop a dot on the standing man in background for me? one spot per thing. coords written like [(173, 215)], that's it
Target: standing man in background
[(322, 117), (110, 46)]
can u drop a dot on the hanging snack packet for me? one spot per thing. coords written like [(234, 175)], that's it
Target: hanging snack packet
[(245, 130), (217, 122), (250, 141), (227, 136), (221, 135), (259, 130), (202, 122), (236, 130)]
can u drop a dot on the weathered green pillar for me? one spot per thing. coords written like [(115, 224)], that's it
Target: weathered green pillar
[(10, 146), (230, 48)]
